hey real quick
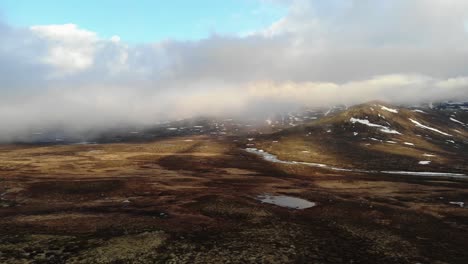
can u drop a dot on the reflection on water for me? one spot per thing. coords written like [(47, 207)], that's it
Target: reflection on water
[(286, 201)]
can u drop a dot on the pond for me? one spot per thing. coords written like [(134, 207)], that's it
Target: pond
[(286, 201)]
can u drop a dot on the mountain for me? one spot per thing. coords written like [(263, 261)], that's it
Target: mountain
[(378, 136)]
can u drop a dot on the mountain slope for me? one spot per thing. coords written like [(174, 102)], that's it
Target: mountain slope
[(377, 136)]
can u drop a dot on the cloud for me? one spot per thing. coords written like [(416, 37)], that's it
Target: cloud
[(321, 52), (70, 48), (398, 88)]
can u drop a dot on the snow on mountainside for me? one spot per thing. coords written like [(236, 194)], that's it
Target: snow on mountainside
[(378, 136)]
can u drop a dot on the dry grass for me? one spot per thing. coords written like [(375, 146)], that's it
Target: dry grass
[(100, 160)]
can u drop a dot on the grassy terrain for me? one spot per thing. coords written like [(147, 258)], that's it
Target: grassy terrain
[(334, 140), (193, 200)]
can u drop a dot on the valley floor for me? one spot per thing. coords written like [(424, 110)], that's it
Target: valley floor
[(195, 200)]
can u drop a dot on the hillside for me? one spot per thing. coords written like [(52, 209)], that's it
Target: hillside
[(378, 136)]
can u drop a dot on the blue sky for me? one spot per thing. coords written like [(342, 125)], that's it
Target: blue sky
[(146, 20)]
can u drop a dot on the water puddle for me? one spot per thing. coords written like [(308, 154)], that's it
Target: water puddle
[(286, 201), (428, 174), (273, 158), (460, 204)]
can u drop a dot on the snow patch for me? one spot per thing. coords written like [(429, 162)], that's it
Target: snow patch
[(424, 162), (367, 123), (456, 121), (389, 109), (429, 128)]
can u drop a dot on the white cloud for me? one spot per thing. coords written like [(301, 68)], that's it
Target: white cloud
[(115, 39), (70, 49), (396, 88)]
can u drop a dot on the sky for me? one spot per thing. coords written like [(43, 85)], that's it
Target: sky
[(147, 20), (82, 65)]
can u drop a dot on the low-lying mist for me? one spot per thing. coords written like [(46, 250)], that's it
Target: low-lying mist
[(84, 112)]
